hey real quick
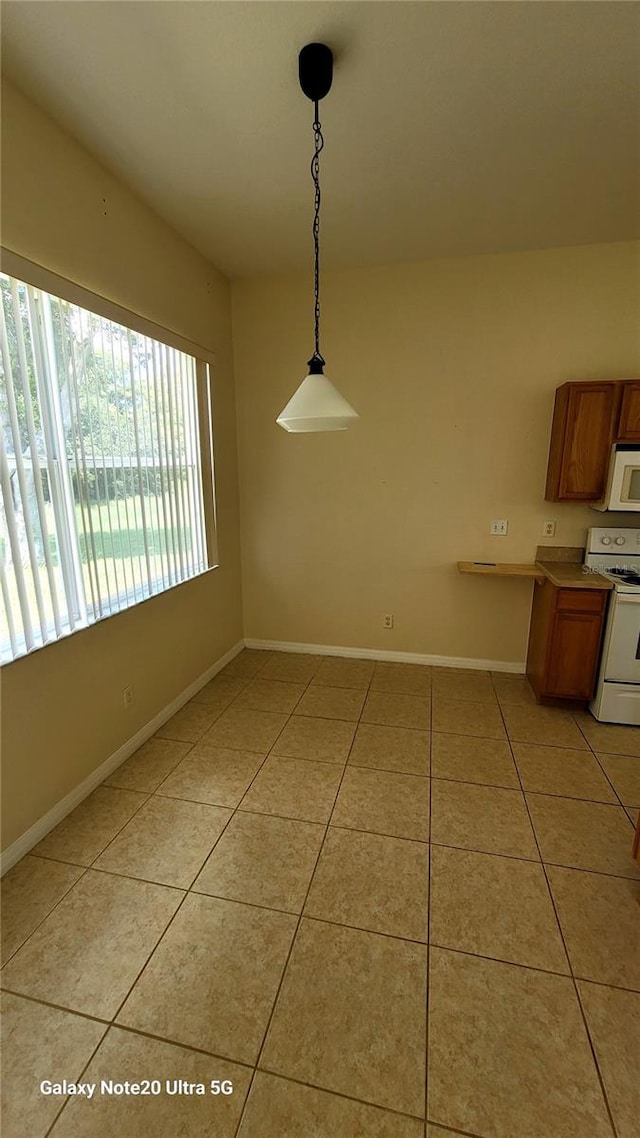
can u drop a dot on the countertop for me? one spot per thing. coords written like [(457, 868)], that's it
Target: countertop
[(571, 575)]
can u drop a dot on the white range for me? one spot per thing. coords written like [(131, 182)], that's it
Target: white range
[(616, 554)]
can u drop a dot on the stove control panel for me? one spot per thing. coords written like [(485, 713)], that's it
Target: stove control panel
[(601, 540)]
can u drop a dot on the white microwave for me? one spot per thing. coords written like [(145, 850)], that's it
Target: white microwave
[(623, 484)]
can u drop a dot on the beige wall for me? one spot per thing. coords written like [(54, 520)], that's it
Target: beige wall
[(62, 710), (452, 365)]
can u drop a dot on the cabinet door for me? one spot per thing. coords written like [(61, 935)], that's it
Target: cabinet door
[(629, 424), (573, 654), (542, 612), (583, 431)]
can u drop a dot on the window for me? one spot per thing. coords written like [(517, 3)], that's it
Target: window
[(102, 483)]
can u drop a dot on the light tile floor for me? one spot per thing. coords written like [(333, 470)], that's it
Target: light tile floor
[(379, 900)]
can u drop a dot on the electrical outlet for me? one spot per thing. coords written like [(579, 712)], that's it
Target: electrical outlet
[(549, 529), (387, 620), (127, 695), (499, 529)]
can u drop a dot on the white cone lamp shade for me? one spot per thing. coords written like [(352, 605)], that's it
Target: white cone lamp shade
[(317, 406)]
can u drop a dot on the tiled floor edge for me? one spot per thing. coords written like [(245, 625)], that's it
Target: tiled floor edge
[(572, 975), (291, 946), (516, 667), (41, 828)]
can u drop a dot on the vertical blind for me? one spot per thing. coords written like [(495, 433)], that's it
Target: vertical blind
[(101, 495)]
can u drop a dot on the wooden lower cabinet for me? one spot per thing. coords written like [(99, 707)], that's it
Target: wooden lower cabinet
[(564, 641)]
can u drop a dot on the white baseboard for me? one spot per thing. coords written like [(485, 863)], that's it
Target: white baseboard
[(516, 666), (41, 828)]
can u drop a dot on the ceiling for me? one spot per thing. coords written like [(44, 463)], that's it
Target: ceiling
[(452, 128)]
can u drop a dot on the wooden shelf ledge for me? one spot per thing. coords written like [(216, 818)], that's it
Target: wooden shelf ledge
[(502, 569)]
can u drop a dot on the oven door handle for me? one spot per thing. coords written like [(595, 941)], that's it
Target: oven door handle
[(628, 598)]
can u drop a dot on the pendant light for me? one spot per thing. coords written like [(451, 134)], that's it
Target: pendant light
[(316, 405)]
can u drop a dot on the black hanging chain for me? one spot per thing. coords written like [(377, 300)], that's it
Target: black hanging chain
[(315, 174)]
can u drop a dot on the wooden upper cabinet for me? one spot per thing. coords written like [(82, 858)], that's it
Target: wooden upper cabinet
[(585, 418), (629, 423)]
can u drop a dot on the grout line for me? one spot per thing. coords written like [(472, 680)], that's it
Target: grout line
[(537, 861), (302, 758), (347, 925), (85, 868), (611, 784), (282, 817), (396, 726), (79, 1079), (338, 1094), (504, 960), (286, 817), (204, 707), (378, 833), (573, 798), (57, 1007), (449, 1130), (294, 937), (604, 984), (387, 770), (242, 901), (521, 789), (147, 796), (145, 880), (323, 715), (149, 957), (486, 853), (177, 1043), (568, 957), (49, 857), (525, 742)]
